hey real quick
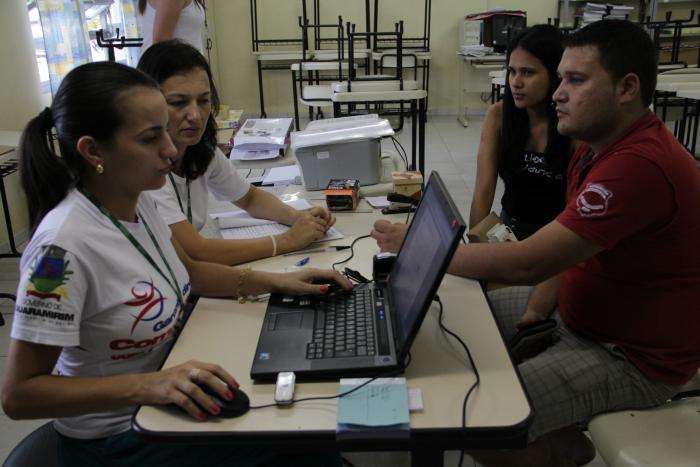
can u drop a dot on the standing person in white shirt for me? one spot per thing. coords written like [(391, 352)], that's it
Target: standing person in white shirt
[(201, 168), (172, 19), (103, 283)]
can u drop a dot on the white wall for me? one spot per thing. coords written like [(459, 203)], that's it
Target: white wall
[(237, 74)]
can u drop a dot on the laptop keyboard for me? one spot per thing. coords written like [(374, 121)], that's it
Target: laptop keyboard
[(344, 326)]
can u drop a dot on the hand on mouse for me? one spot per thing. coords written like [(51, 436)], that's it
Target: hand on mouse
[(179, 385), (308, 282)]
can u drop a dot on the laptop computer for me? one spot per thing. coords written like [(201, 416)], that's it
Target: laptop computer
[(369, 330)]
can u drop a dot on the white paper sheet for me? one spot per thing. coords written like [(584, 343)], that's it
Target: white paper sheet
[(266, 230)]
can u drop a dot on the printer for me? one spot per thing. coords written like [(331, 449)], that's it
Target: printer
[(345, 147)]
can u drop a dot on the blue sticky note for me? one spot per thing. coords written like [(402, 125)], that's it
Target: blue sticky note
[(383, 402)]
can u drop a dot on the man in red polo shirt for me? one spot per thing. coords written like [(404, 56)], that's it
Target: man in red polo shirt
[(619, 268)]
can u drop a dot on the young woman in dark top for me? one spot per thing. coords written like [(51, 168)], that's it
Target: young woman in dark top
[(519, 139)]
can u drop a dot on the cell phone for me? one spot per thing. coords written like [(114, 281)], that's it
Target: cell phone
[(284, 389), (532, 339)]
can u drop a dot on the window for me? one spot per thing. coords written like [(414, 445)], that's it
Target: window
[(65, 34)]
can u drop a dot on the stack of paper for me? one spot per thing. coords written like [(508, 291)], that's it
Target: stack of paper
[(475, 50), (261, 138), (377, 410), (285, 175), (238, 224), (593, 12)]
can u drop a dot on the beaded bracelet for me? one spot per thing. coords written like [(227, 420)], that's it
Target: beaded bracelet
[(242, 298)]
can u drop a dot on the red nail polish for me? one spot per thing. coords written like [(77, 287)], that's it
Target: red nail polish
[(201, 417), (229, 395), (216, 409), (237, 384), (323, 288)]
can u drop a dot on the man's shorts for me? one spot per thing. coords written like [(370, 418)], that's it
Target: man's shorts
[(575, 378)]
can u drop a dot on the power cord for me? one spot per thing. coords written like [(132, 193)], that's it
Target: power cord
[(352, 252), (471, 361), (402, 151)]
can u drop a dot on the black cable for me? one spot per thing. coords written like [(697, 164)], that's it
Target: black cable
[(352, 252), (342, 394), (402, 151), (471, 361)]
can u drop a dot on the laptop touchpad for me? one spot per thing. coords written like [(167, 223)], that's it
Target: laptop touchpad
[(288, 320)]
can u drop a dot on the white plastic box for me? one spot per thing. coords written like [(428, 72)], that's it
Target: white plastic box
[(348, 147)]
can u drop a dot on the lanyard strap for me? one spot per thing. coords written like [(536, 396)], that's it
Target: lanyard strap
[(173, 285), (179, 201)]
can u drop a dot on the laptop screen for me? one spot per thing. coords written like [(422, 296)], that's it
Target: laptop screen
[(423, 258)]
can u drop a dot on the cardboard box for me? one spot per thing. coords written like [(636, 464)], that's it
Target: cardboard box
[(478, 233), (408, 183)]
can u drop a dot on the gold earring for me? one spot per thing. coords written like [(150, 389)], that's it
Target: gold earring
[(100, 169)]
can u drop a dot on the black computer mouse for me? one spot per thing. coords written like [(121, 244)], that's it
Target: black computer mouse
[(229, 409)]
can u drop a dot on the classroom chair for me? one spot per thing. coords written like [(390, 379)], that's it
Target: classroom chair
[(663, 436), (38, 448)]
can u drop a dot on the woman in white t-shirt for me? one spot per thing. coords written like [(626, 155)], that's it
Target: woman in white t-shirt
[(172, 19), (201, 168), (103, 284)]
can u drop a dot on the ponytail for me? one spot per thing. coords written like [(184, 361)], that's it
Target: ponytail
[(44, 176), (87, 103)]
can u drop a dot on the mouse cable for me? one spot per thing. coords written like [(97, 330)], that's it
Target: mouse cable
[(352, 251), (342, 394), (471, 361)]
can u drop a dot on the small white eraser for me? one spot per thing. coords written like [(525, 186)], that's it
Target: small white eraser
[(415, 400), (284, 389)]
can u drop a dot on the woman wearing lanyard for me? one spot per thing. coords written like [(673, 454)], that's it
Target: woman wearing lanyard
[(200, 168), (103, 283)]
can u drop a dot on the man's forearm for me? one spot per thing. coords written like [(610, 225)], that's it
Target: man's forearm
[(497, 262), (544, 297)]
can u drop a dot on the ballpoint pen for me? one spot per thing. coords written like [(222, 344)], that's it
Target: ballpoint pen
[(318, 250), (302, 261)]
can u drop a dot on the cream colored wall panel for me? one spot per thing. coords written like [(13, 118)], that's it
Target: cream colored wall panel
[(19, 95)]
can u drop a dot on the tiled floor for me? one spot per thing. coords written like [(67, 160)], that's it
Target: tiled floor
[(450, 149)]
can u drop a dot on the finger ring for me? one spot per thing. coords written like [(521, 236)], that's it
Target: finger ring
[(194, 375)]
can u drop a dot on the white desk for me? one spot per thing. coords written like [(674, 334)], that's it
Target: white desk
[(273, 60), (316, 89), (690, 93), (673, 86), (474, 78), (686, 87), (225, 332)]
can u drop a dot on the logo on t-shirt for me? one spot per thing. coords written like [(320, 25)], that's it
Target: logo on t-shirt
[(149, 299), (593, 200), (49, 275)]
